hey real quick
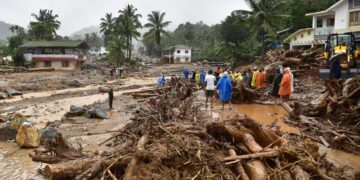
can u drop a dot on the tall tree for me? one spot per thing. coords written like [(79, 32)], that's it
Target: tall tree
[(45, 26), (130, 22), (106, 27), (156, 25)]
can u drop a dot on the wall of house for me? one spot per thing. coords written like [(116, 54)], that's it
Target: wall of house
[(306, 37), (354, 4), (342, 16), (57, 65), (182, 57)]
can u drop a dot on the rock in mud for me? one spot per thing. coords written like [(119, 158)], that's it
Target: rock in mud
[(75, 111), (13, 92), (7, 133), (95, 112), (75, 83), (3, 95), (28, 136), (48, 134)]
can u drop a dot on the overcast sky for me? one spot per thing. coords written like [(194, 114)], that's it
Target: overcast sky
[(77, 14)]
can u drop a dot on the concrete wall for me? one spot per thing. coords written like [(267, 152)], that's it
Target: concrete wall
[(74, 65), (342, 16), (180, 56)]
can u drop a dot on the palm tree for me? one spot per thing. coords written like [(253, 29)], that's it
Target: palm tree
[(156, 25), (130, 23), (264, 17), (45, 26), (106, 27)]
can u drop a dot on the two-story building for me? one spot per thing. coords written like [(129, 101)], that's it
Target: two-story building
[(341, 17), (177, 54), (60, 55)]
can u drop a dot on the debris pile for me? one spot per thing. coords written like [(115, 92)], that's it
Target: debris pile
[(87, 111), (334, 114), (170, 138), (310, 59)]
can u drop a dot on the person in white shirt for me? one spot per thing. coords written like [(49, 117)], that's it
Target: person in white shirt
[(210, 87)]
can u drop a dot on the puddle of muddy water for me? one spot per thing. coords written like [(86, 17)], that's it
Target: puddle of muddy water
[(264, 114), (16, 164)]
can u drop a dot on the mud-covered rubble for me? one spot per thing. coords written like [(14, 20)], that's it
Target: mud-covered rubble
[(171, 138), (87, 111)]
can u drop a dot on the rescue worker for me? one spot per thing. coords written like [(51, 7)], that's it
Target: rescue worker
[(161, 81), (260, 79), (217, 72), (277, 82), (253, 79), (225, 88), (202, 77), (291, 78), (285, 86), (186, 73), (197, 79), (111, 97)]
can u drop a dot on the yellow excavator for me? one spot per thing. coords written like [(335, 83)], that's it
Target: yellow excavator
[(342, 58)]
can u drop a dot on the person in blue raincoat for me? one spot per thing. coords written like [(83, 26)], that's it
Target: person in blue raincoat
[(161, 81), (186, 73), (202, 77), (225, 88)]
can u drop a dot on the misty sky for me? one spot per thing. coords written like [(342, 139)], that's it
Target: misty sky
[(77, 14)]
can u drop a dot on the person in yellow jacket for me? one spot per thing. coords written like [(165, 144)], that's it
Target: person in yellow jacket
[(197, 79), (239, 78), (253, 80)]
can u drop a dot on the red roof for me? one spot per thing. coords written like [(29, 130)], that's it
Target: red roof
[(55, 59)]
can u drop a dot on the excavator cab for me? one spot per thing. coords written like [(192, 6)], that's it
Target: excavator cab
[(341, 57)]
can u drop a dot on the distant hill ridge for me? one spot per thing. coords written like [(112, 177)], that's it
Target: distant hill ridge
[(5, 30)]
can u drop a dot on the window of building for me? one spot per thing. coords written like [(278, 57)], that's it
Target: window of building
[(48, 51), (56, 51), (356, 3), (355, 18), (186, 51), (302, 35), (178, 51), (309, 33), (65, 64), (69, 51), (319, 23), (330, 22), (47, 63)]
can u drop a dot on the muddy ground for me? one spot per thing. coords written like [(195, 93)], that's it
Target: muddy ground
[(49, 95)]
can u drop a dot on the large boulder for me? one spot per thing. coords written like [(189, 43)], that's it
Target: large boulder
[(75, 83), (48, 134), (3, 95), (13, 92), (28, 136), (75, 111), (7, 133), (95, 112)]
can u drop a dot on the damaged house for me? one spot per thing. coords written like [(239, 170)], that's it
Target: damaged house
[(60, 55)]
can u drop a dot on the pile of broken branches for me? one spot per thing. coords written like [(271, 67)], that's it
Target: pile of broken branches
[(170, 138)]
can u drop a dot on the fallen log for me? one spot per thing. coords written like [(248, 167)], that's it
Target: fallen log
[(143, 95), (251, 144), (70, 169), (256, 170), (239, 168), (267, 154), (129, 172), (42, 69), (287, 107), (293, 60)]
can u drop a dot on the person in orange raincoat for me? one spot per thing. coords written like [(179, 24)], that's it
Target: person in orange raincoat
[(260, 79), (285, 86)]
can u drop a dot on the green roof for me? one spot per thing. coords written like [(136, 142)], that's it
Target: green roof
[(69, 44)]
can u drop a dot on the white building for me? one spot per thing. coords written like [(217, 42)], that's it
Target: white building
[(342, 17), (177, 54), (60, 55)]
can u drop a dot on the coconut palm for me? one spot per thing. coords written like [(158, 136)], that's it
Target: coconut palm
[(106, 27), (156, 25), (45, 26), (130, 23)]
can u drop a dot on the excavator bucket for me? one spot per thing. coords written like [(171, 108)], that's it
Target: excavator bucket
[(325, 73)]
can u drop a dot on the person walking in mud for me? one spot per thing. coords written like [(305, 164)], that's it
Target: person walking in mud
[(111, 98), (210, 87), (225, 88)]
